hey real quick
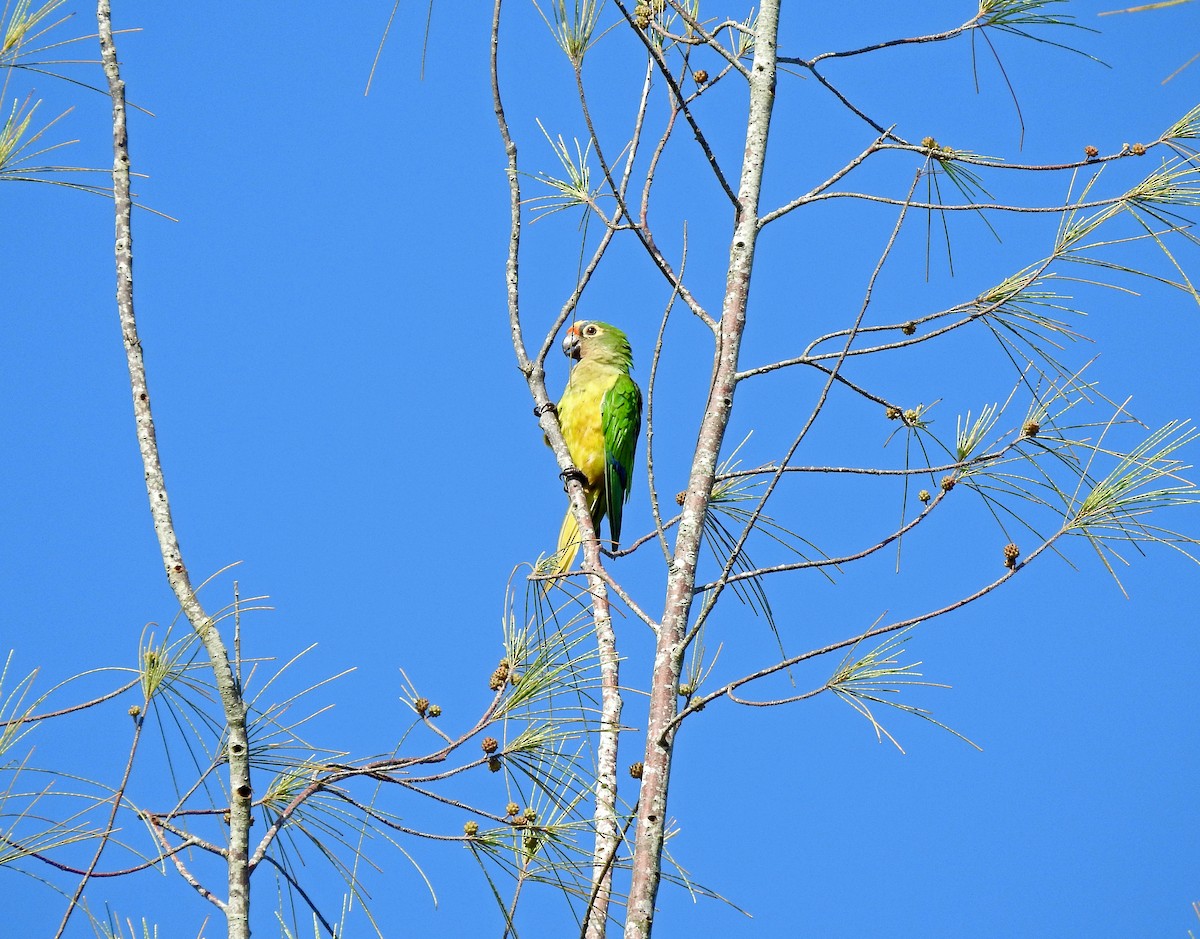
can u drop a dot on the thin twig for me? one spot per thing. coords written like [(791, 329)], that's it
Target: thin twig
[(32, 718), (109, 829), (699, 702), (736, 552)]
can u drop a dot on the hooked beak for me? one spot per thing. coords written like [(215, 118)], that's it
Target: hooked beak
[(570, 344)]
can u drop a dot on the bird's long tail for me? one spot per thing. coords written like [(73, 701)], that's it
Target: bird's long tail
[(569, 540)]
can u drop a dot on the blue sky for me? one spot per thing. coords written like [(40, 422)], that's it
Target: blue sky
[(339, 410)]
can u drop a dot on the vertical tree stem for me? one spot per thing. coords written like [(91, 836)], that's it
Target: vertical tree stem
[(604, 818), (237, 748), (668, 659), (607, 829)]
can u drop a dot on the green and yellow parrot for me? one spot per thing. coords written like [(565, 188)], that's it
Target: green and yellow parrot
[(601, 415)]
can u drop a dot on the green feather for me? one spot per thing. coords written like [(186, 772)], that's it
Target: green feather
[(621, 416)]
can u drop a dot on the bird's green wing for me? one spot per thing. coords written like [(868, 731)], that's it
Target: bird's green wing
[(621, 417)]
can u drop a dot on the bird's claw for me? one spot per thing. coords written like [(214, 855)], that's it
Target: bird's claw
[(548, 408), (572, 473)]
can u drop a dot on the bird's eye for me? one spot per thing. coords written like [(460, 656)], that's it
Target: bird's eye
[(590, 331)]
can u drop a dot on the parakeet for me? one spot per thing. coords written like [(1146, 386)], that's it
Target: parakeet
[(601, 415)]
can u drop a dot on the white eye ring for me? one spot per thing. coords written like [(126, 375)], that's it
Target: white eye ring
[(589, 331)]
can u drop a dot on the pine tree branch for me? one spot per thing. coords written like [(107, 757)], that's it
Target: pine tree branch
[(668, 658), (237, 748)]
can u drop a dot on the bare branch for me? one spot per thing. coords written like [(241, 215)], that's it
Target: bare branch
[(237, 748)]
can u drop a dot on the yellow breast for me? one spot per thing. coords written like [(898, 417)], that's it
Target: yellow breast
[(579, 415)]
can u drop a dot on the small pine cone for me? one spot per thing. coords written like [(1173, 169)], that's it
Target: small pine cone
[(490, 745), (948, 483), (471, 829), (679, 497), (421, 705), (499, 676), (687, 690), (435, 710), (894, 413), (512, 809), (908, 328), (1091, 152), (1138, 149), (635, 769), (518, 821), (135, 710), (700, 76), (1011, 553), (923, 495), (530, 815), (929, 143), (1031, 428), (494, 764)]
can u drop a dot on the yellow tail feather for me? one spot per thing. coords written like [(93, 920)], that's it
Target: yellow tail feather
[(569, 540)]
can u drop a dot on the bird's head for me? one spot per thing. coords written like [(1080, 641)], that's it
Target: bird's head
[(602, 342)]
